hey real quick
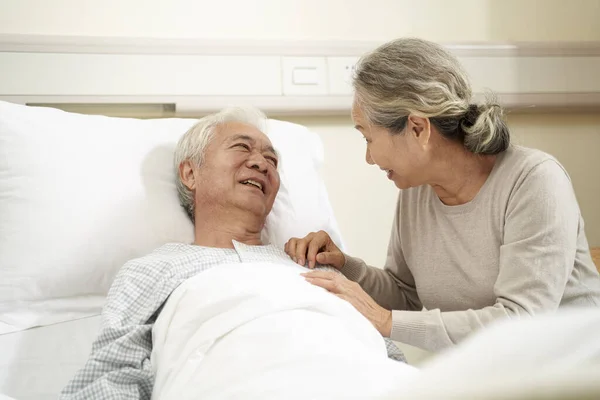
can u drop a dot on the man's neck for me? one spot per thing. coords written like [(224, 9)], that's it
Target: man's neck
[(219, 228)]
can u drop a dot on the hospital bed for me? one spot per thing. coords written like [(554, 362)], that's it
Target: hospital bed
[(95, 192), (37, 363), (57, 166)]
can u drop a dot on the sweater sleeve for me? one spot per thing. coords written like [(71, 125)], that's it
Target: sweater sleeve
[(536, 260), (392, 287)]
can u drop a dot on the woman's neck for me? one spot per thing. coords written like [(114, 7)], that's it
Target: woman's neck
[(461, 175)]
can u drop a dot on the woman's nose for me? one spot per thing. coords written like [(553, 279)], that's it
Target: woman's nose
[(368, 158)]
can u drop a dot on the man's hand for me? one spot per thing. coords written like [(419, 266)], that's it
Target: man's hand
[(350, 291), (316, 247)]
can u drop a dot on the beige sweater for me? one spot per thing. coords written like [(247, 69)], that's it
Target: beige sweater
[(517, 249)]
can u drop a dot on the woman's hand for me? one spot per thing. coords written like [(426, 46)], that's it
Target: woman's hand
[(316, 247), (351, 291)]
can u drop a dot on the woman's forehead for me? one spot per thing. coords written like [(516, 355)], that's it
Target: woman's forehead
[(357, 114)]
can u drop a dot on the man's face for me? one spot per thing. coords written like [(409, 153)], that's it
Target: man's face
[(239, 169)]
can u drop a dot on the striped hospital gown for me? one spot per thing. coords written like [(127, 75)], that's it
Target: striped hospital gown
[(119, 365)]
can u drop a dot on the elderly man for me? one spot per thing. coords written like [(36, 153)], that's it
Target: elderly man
[(227, 182)]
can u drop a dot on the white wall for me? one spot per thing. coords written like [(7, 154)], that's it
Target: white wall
[(363, 202), (363, 199), (441, 20)]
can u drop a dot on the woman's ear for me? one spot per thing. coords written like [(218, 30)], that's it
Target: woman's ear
[(419, 128), (186, 174)]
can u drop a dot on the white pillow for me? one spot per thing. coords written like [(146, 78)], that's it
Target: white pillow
[(302, 204), (80, 195)]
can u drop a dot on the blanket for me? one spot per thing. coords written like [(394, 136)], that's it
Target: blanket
[(259, 330)]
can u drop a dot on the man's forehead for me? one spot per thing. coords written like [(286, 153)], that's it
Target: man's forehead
[(228, 130)]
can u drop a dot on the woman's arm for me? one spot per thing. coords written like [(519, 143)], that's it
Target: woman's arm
[(536, 259)]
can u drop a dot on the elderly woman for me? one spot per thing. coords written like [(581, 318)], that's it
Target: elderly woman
[(483, 229)]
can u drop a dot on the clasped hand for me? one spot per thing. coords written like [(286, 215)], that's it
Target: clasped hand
[(317, 247)]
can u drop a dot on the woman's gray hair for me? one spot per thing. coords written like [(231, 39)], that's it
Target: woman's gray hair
[(414, 76), (192, 145)]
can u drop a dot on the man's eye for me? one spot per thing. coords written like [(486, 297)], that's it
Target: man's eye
[(272, 160), (244, 145)]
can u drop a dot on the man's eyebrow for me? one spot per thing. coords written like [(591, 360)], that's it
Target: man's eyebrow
[(247, 138), (272, 150)]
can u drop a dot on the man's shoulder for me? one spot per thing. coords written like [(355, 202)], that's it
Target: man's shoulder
[(160, 258)]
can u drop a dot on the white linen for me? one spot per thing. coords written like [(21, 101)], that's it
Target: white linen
[(548, 357), (259, 330), (37, 363), (553, 356)]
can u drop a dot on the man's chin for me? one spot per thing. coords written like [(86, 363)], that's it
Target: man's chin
[(258, 210)]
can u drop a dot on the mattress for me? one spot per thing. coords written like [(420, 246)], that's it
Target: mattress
[(38, 363)]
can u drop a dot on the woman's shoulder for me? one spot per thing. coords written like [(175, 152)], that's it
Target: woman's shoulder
[(533, 174), (518, 163), (525, 157)]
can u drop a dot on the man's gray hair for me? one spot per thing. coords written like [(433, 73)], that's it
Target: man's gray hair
[(193, 144)]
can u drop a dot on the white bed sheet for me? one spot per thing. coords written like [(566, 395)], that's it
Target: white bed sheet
[(558, 354), (38, 363)]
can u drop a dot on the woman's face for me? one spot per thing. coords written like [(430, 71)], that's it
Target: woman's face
[(402, 156)]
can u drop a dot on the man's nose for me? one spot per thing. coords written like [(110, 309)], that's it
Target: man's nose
[(258, 163)]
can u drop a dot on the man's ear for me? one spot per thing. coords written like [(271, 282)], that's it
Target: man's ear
[(186, 174), (419, 128)]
